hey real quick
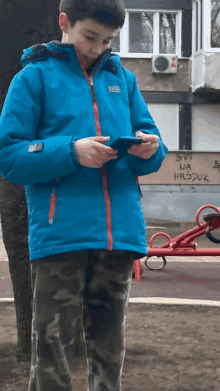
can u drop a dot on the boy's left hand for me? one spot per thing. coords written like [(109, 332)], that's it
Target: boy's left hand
[(147, 148)]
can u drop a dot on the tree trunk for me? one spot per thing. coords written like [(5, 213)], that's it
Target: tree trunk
[(15, 237)]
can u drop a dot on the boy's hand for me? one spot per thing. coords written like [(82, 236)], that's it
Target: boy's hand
[(91, 152), (148, 147)]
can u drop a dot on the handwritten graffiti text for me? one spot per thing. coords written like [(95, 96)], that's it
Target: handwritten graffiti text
[(217, 165), (191, 177), (180, 157)]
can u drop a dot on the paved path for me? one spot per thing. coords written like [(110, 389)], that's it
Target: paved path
[(181, 280), (184, 280)]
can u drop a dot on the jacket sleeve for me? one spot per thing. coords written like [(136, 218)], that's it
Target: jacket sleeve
[(141, 120), (24, 159)]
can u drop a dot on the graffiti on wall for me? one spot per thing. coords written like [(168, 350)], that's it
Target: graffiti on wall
[(217, 165), (186, 168)]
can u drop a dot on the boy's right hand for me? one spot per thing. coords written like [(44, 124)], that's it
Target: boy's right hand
[(91, 152)]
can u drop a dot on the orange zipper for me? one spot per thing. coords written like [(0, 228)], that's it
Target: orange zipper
[(104, 179), (108, 209)]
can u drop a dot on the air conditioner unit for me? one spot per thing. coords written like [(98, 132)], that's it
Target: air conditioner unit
[(164, 63)]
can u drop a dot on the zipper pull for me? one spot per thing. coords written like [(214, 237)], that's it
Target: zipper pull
[(52, 206), (91, 84)]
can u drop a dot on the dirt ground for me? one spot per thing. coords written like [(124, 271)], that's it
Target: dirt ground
[(169, 348)]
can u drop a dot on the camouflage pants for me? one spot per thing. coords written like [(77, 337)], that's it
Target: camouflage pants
[(99, 281)]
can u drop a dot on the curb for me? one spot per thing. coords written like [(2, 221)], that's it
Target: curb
[(6, 300), (157, 300), (179, 224), (167, 300)]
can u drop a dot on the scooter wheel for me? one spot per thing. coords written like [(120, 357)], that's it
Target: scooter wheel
[(210, 237), (157, 265)]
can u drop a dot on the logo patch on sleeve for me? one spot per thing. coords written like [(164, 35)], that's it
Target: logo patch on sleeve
[(36, 147), (114, 89)]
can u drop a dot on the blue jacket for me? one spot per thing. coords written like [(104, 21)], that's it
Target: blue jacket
[(51, 103)]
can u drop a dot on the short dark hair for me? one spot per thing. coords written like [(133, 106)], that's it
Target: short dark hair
[(109, 13)]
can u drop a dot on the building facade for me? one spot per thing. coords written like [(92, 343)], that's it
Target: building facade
[(173, 47)]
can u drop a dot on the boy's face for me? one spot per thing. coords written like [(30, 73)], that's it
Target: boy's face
[(90, 38)]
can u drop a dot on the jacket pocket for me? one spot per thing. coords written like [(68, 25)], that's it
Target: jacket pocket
[(52, 206), (53, 203)]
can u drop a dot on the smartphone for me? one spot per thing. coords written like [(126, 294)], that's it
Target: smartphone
[(123, 143)]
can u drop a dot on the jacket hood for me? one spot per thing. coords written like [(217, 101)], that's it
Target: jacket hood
[(62, 51)]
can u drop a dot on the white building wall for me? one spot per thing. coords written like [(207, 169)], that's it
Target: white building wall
[(166, 118), (206, 127), (178, 202)]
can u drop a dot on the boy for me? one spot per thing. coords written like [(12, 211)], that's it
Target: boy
[(62, 111)]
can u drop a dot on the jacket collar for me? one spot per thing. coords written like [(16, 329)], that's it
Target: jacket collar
[(67, 52), (72, 55)]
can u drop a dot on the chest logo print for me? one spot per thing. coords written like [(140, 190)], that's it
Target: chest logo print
[(114, 89)]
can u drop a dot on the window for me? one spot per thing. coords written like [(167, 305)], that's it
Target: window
[(198, 25), (149, 32), (206, 25), (215, 24)]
